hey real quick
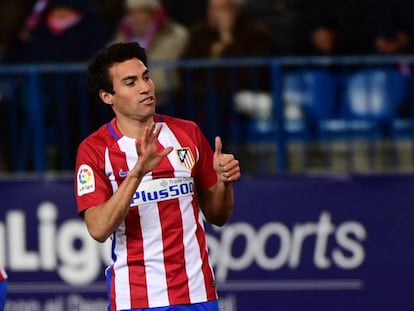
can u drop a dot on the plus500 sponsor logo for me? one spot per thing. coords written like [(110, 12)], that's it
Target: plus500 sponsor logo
[(68, 249), (170, 192)]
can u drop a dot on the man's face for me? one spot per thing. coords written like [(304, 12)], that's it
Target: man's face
[(134, 91)]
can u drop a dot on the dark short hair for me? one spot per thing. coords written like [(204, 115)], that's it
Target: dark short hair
[(98, 77)]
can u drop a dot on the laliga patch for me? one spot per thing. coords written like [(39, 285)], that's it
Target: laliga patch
[(186, 157), (86, 180)]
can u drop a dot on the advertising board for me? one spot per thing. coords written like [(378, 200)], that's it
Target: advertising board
[(293, 243)]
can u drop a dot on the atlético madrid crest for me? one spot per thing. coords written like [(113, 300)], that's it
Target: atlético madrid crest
[(186, 157)]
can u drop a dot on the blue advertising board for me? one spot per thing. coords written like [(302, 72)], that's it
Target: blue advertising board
[(293, 243)]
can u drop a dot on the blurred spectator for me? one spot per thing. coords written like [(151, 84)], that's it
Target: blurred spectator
[(393, 42), (322, 41), (226, 33), (32, 20), (395, 27), (12, 16), (352, 23), (60, 31), (284, 21), (394, 36), (146, 22)]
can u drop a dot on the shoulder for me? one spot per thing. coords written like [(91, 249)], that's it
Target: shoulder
[(97, 140), (186, 125), (185, 129)]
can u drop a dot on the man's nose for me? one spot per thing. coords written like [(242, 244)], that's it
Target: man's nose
[(143, 86)]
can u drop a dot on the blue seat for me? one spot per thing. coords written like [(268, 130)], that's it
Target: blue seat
[(309, 98), (370, 101)]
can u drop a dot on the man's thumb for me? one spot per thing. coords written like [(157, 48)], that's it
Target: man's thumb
[(218, 146)]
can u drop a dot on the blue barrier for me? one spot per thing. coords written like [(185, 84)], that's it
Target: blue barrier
[(49, 110)]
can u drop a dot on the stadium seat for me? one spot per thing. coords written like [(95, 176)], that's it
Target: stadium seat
[(369, 101), (307, 97)]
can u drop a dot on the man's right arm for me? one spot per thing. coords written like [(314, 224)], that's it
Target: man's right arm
[(102, 220)]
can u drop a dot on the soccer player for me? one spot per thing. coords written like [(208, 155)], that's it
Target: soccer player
[(3, 288), (147, 181)]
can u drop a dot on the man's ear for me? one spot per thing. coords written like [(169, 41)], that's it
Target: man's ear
[(105, 97)]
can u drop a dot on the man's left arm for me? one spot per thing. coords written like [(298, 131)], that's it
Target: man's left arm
[(217, 201)]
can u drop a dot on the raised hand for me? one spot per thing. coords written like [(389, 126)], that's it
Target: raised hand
[(225, 165), (147, 149)]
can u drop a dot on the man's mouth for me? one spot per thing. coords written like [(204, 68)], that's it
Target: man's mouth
[(147, 100)]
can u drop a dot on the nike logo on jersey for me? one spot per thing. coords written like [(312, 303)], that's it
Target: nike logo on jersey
[(123, 173)]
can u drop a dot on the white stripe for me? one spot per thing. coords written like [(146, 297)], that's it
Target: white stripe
[(153, 244), (121, 279), (154, 256), (168, 139), (128, 145), (191, 246), (109, 171), (192, 252)]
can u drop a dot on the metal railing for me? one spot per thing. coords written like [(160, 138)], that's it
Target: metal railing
[(47, 111)]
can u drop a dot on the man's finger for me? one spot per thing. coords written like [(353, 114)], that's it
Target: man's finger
[(157, 130), (166, 151), (219, 145)]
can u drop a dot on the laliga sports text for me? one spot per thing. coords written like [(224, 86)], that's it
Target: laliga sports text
[(346, 250), (77, 259)]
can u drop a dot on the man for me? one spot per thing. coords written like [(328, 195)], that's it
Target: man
[(147, 180), (3, 288)]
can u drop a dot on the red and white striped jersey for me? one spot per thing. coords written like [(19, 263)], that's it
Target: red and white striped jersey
[(159, 252), (3, 274)]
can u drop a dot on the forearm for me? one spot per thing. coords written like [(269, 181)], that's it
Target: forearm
[(218, 203), (104, 219)]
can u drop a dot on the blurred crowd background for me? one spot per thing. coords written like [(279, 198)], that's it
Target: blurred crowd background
[(30, 32), (71, 31)]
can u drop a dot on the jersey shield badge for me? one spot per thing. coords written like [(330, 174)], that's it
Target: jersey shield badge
[(186, 157)]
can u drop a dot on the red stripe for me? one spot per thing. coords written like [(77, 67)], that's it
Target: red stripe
[(118, 160), (209, 282), (135, 259), (134, 243), (177, 280), (171, 223)]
